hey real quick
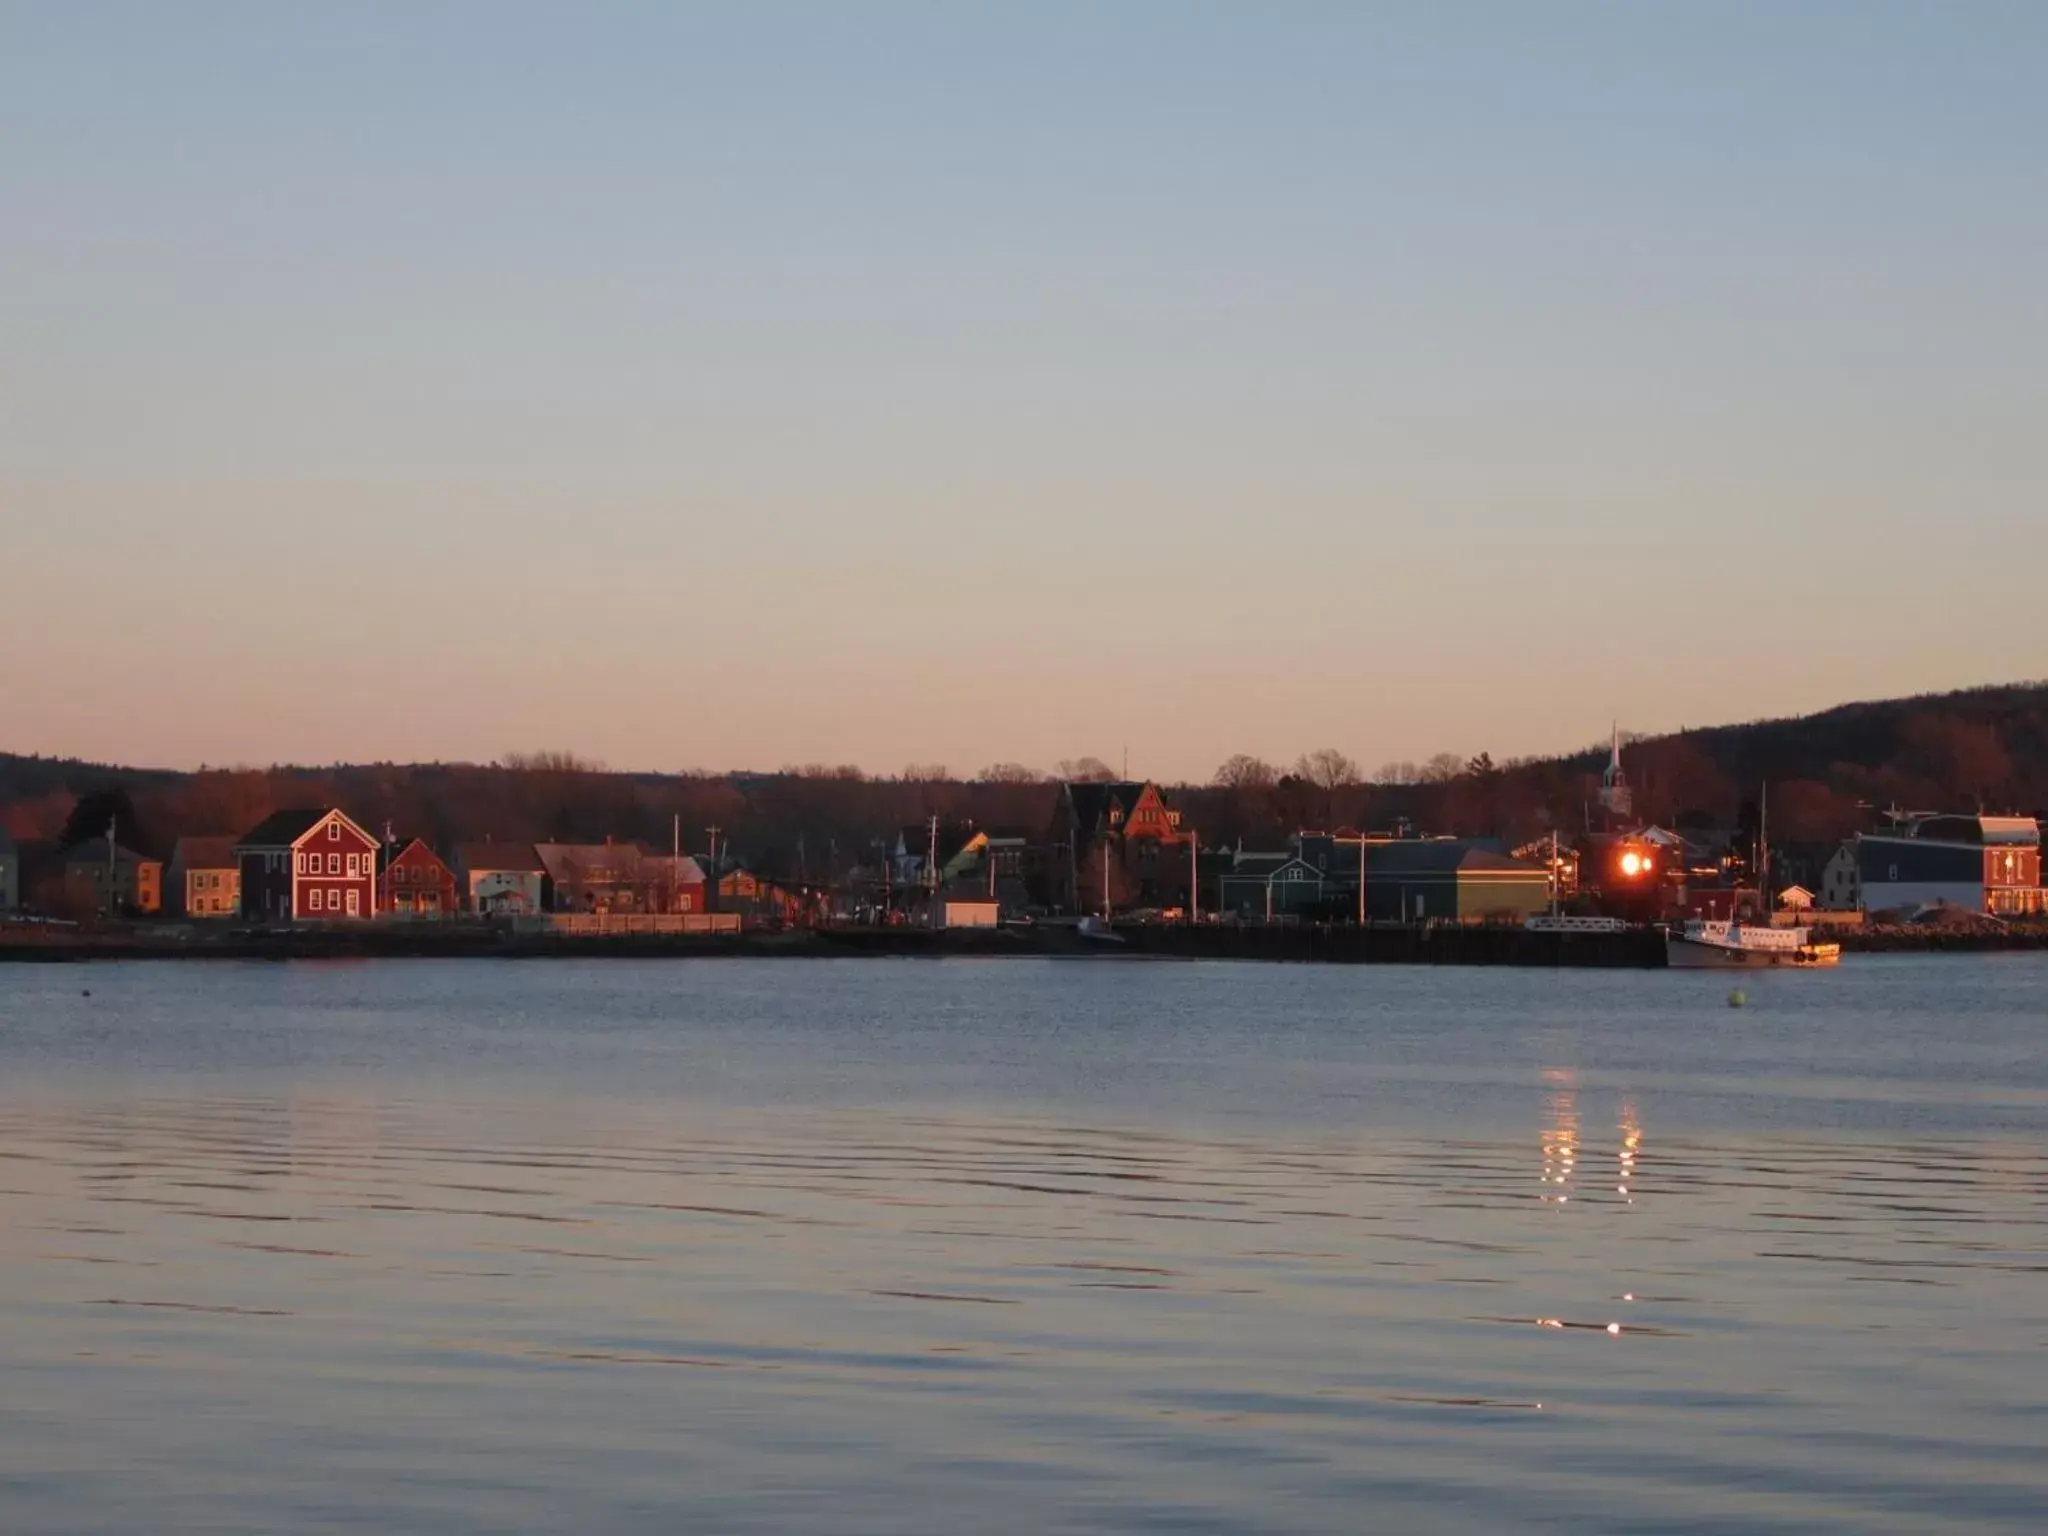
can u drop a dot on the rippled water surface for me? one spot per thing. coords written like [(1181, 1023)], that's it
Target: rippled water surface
[(1032, 1246)]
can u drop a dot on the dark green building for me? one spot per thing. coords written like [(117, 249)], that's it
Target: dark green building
[(1450, 881)]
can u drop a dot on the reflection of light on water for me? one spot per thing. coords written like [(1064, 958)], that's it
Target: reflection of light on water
[(1631, 1140), (1559, 1138)]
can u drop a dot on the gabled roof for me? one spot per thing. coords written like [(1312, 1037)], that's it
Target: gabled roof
[(280, 829), (1442, 856), (597, 863), (204, 853), (499, 858), (1092, 800), (1264, 866), (954, 836), (390, 853), (94, 851)]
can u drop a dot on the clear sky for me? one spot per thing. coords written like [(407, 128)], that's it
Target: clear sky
[(762, 383)]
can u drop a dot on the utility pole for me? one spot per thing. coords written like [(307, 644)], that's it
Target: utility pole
[(1361, 875), (711, 875), (113, 867), (1763, 850), (934, 914), (1194, 880)]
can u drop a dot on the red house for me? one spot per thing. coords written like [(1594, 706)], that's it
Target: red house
[(307, 866), (414, 882)]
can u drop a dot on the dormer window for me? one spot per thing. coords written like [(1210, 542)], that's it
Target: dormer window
[(1116, 818)]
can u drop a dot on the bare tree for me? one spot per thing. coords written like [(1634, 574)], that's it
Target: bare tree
[(1085, 770), (549, 762), (1009, 773), (1442, 768), (1327, 769), (1244, 772), (925, 773), (849, 773), (1402, 772)]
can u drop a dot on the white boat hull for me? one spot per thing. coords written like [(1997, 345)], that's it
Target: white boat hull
[(1690, 955)]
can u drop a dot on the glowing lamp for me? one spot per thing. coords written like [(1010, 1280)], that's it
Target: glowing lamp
[(1631, 864)]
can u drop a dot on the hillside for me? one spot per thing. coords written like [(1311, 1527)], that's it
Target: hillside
[(1828, 773)]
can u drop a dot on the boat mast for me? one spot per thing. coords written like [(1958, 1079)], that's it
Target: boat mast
[(1763, 848)]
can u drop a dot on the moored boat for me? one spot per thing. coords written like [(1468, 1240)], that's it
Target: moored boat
[(1730, 944)]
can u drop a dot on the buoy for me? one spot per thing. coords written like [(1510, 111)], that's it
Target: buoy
[(1738, 998), (86, 993)]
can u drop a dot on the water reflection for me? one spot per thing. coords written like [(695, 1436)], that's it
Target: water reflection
[(1559, 1136), (566, 1313)]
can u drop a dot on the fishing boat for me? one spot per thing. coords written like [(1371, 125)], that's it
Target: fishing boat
[(1731, 944)]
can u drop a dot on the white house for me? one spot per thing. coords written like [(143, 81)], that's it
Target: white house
[(1841, 886), (506, 878)]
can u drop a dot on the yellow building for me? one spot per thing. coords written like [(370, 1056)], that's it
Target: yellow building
[(205, 879)]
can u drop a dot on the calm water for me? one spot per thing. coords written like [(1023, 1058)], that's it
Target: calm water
[(1031, 1246)]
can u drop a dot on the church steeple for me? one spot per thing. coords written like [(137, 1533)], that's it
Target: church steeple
[(1615, 796)]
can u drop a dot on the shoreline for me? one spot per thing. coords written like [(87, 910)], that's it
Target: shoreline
[(1640, 948)]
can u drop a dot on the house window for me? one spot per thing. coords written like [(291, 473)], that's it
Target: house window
[(352, 867), (313, 898), (353, 903), (1894, 874), (334, 863), (334, 831)]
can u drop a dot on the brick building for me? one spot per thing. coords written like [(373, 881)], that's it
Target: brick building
[(1117, 845)]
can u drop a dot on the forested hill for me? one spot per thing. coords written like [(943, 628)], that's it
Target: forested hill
[(1828, 773)]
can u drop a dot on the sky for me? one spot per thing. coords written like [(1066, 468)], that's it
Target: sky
[(754, 384)]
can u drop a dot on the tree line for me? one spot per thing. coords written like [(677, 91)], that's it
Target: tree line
[(1828, 774)]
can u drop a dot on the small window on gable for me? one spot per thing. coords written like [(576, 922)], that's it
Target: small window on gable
[(334, 831)]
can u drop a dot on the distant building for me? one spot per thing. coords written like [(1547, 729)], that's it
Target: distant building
[(1450, 881), (126, 882), (969, 906), (10, 873), (1117, 845), (307, 866), (502, 879), (1795, 898), (414, 881), (1988, 864), (205, 879), (673, 882), (1260, 887), (594, 877), (1841, 882), (1616, 798)]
